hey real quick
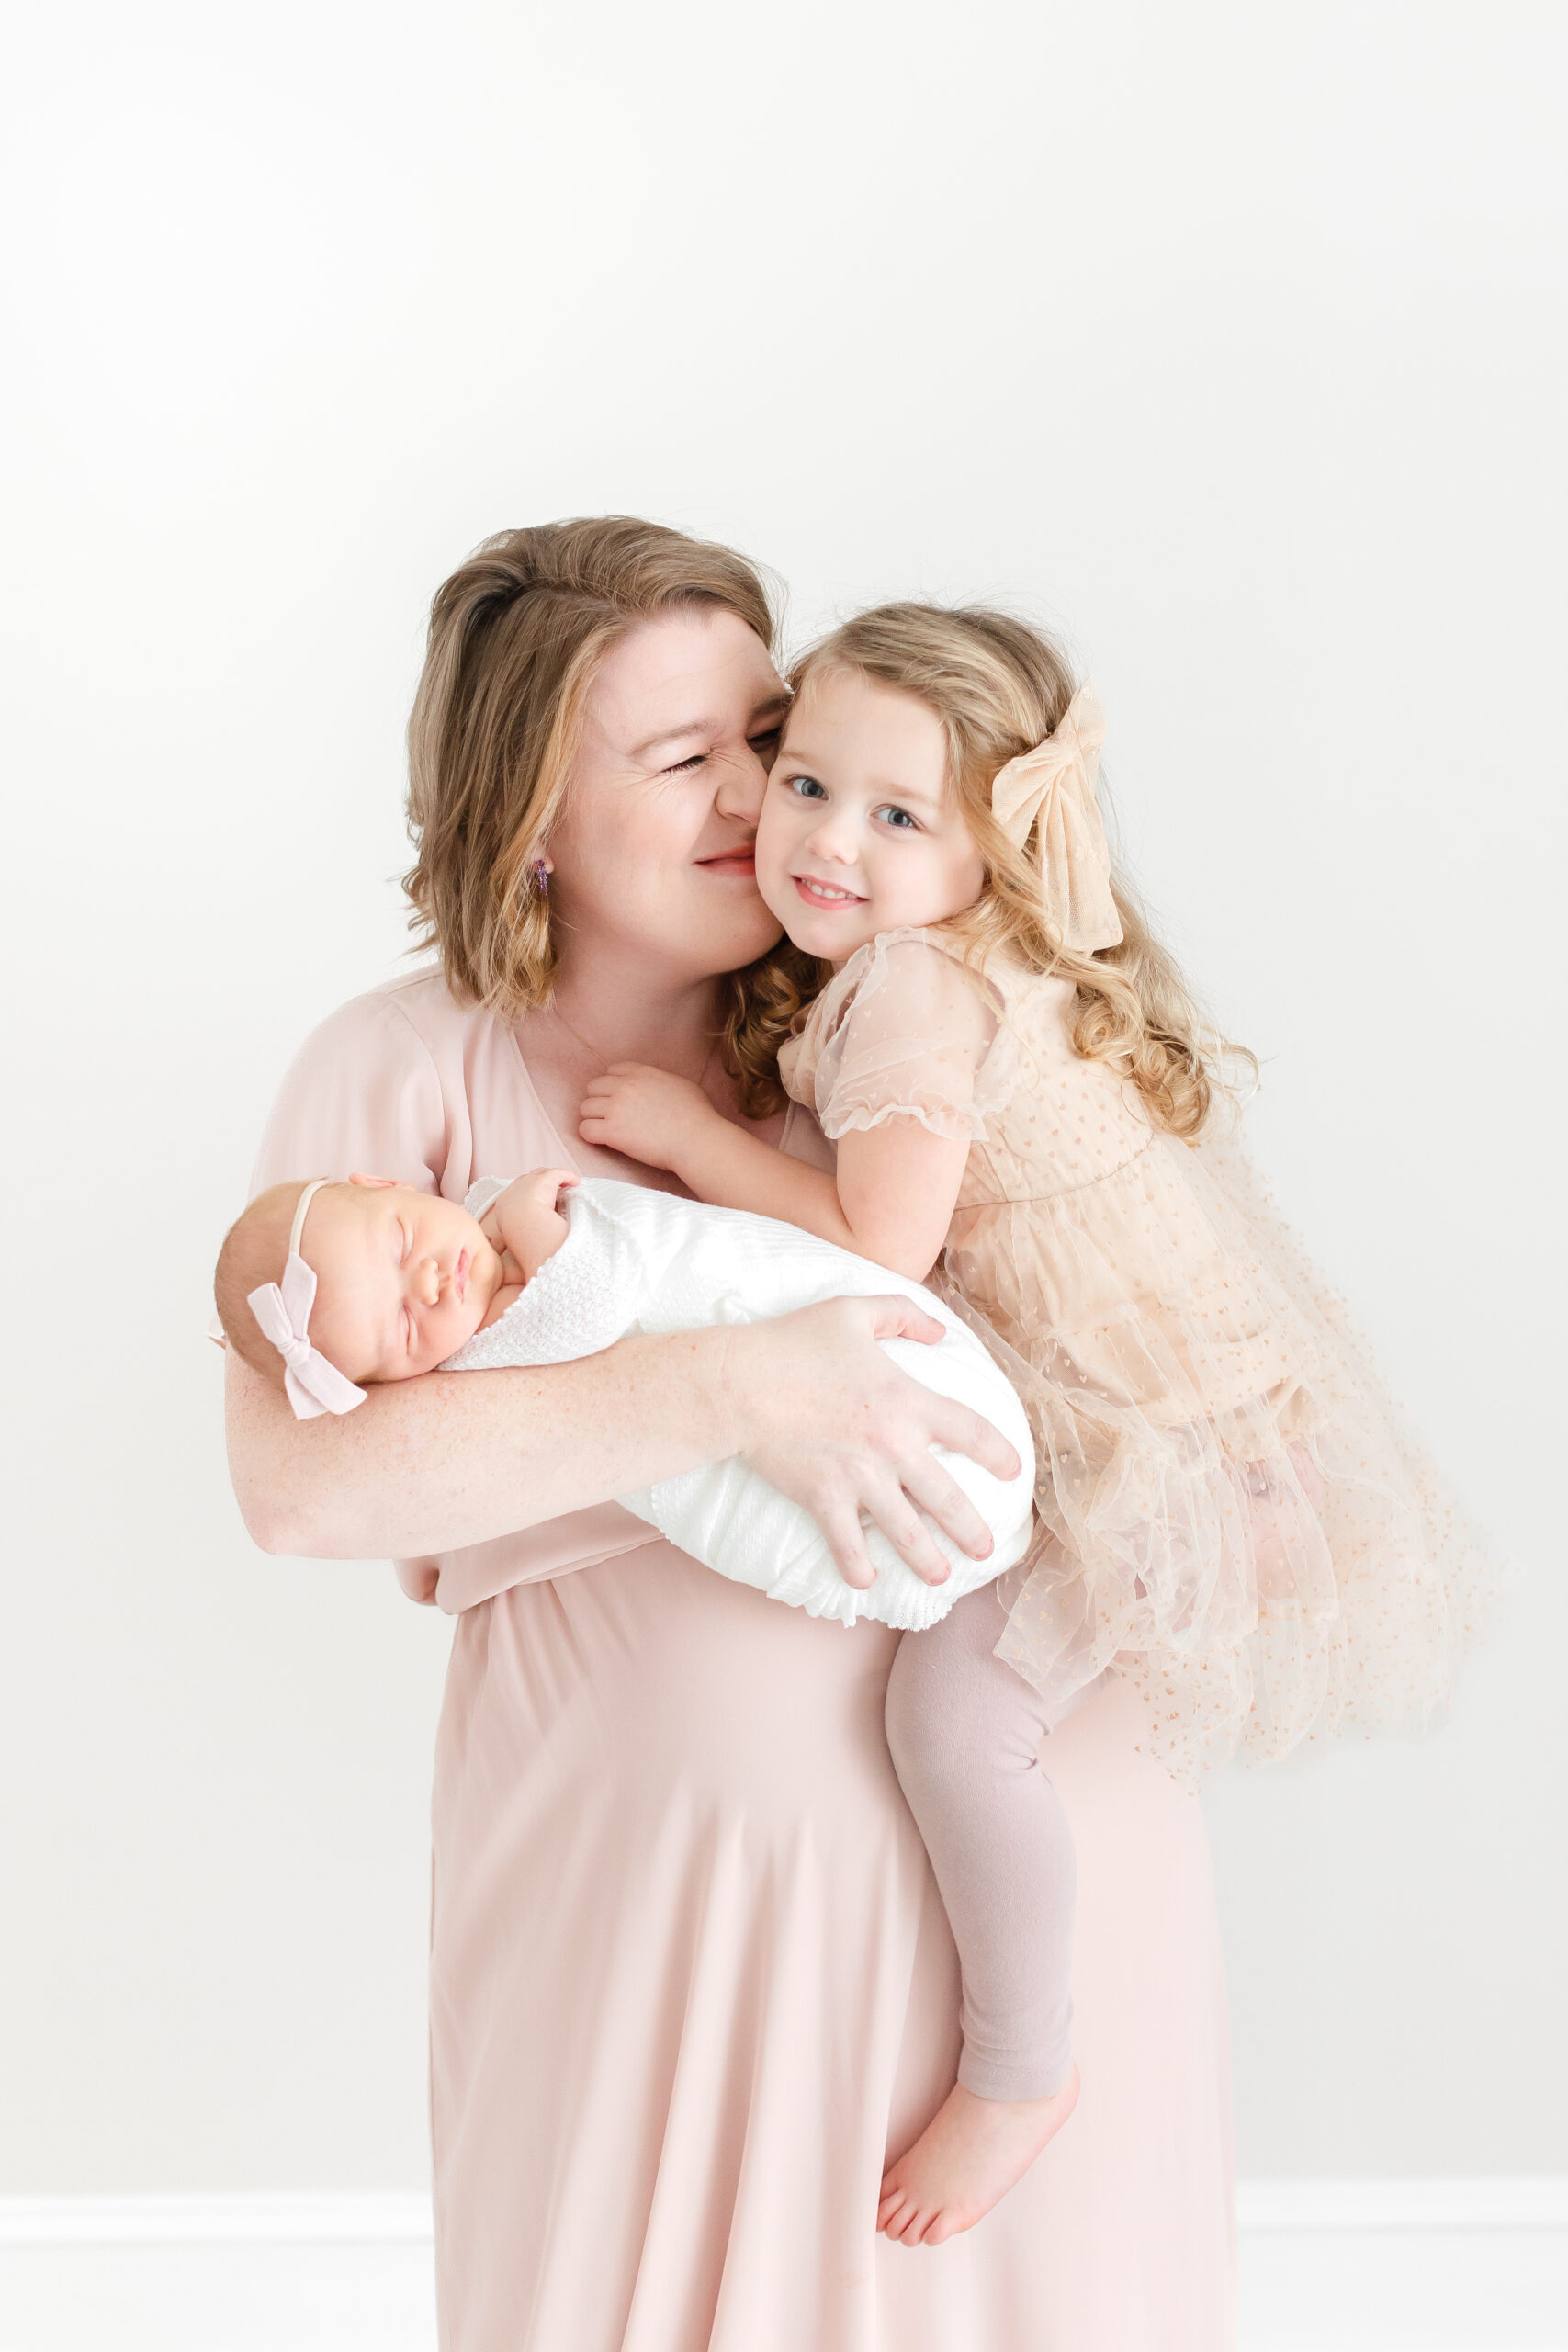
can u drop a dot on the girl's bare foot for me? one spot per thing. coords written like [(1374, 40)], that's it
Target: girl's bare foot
[(965, 2160)]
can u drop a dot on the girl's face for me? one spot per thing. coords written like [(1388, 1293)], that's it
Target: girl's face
[(651, 860), (859, 832)]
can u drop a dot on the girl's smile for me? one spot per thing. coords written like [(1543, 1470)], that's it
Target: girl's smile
[(817, 893)]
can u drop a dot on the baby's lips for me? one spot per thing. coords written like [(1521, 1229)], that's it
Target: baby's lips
[(460, 1275)]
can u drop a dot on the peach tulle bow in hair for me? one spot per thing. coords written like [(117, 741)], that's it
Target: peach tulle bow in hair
[(312, 1384), (1055, 782)]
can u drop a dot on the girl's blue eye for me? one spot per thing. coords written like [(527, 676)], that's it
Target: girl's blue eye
[(899, 819), (807, 787)]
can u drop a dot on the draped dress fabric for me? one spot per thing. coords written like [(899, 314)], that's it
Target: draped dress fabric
[(691, 1984)]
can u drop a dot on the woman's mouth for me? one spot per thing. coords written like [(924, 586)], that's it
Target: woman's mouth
[(741, 863), (826, 895)]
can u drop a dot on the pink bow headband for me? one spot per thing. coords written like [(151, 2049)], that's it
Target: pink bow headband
[(1054, 783), (312, 1384)]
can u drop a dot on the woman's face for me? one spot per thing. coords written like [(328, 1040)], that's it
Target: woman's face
[(653, 852)]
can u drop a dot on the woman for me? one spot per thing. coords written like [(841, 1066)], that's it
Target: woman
[(690, 1985)]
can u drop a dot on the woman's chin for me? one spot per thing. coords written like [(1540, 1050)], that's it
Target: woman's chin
[(736, 933)]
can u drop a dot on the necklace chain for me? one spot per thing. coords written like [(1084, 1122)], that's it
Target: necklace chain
[(598, 1056)]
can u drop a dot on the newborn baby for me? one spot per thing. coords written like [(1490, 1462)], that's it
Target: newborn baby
[(388, 1281)]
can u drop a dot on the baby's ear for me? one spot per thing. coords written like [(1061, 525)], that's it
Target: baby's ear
[(378, 1183)]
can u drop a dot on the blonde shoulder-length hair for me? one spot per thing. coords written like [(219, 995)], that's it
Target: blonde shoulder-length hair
[(999, 687), (517, 637)]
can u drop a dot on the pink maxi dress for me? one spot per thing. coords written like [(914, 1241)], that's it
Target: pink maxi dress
[(691, 1982)]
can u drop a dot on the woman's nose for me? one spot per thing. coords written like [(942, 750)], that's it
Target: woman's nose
[(742, 780)]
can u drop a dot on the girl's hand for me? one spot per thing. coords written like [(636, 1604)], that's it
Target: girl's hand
[(824, 1416), (644, 1114)]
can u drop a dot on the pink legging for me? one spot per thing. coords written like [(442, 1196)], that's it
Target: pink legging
[(965, 1733)]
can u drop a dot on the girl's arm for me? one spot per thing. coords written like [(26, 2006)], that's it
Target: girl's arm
[(810, 1401), (892, 1199)]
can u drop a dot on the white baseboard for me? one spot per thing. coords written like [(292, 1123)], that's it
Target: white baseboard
[(216, 2274), (1326, 2265), (1404, 2266)]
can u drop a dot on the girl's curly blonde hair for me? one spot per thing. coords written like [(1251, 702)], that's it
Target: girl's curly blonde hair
[(999, 688), (517, 637)]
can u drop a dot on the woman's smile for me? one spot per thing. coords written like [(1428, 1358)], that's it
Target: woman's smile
[(739, 864)]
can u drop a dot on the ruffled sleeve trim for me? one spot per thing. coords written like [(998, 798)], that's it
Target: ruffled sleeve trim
[(954, 1126)]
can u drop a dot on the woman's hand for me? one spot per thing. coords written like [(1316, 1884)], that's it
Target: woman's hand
[(646, 1114), (822, 1414)]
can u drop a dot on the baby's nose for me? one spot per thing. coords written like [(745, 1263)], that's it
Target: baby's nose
[(427, 1282)]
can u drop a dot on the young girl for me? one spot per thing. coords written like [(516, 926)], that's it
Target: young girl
[(1019, 1083)]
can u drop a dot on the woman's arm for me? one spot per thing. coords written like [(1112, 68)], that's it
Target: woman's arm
[(892, 1199), (809, 1401)]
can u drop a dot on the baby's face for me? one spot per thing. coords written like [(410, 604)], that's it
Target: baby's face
[(859, 832), (403, 1277)]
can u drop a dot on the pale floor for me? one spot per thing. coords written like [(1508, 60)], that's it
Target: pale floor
[(1496, 2283)]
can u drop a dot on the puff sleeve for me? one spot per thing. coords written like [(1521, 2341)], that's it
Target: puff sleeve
[(905, 1030)]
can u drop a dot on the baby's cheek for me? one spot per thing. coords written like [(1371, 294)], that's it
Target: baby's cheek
[(450, 1339)]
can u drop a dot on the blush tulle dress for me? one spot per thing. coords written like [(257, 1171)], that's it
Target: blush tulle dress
[(691, 1981), (1233, 1515)]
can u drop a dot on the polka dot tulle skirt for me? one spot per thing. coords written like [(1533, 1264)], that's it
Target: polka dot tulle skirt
[(1233, 1513)]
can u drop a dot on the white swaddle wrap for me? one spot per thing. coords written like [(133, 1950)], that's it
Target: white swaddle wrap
[(638, 1260)]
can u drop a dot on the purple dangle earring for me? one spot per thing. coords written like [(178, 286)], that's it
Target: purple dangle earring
[(541, 878)]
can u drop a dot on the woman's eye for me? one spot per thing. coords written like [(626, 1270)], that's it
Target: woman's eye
[(807, 787), (685, 767), (899, 819), (767, 742)]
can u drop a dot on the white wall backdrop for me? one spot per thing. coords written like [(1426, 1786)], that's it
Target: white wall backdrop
[(1229, 339)]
